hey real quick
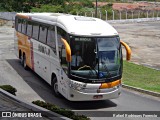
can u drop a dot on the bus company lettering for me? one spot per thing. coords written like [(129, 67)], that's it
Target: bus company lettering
[(43, 49)]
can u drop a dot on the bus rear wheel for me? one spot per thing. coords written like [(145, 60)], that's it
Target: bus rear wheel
[(54, 85), (23, 62)]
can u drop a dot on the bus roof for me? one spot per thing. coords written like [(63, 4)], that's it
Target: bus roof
[(76, 25)]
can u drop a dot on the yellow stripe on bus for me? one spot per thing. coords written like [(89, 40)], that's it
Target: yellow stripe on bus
[(128, 50), (68, 50), (110, 85), (22, 16)]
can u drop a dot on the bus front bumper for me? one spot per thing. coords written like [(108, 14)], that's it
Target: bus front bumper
[(103, 94)]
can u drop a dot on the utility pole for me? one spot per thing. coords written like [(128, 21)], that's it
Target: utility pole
[(96, 10)]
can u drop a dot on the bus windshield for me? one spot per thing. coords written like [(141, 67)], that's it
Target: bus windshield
[(95, 57)]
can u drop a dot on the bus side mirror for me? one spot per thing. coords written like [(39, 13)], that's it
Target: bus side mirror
[(128, 50), (68, 50)]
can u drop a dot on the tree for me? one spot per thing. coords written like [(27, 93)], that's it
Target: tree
[(48, 8), (67, 6)]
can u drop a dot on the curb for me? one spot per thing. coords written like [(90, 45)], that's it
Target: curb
[(46, 113), (156, 94)]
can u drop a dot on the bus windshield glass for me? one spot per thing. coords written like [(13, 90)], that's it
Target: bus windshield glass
[(95, 57)]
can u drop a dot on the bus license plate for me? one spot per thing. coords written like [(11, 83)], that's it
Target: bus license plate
[(97, 96)]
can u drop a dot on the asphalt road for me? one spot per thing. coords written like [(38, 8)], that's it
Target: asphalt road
[(144, 40), (31, 87)]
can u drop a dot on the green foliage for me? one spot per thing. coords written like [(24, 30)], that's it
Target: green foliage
[(26, 5), (48, 8), (2, 8), (9, 89), (86, 3), (15, 5), (71, 7), (107, 8), (62, 111), (66, 6)]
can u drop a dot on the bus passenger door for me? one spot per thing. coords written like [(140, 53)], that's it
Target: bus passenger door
[(63, 73), (36, 58), (46, 73)]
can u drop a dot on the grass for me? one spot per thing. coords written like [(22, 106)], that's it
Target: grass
[(141, 77)]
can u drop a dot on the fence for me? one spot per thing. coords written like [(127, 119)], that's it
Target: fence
[(122, 15), (111, 16)]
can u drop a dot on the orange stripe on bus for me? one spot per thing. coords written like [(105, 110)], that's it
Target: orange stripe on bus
[(110, 85), (68, 50), (128, 50), (23, 16)]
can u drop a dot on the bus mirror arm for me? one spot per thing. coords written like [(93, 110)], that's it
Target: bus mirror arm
[(128, 50), (68, 50)]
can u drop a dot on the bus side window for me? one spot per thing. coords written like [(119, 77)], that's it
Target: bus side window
[(35, 30), (62, 34), (43, 33), (29, 28), (24, 26), (51, 40), (19, 25)]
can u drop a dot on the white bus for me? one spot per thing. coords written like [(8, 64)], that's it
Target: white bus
[(80, 57)]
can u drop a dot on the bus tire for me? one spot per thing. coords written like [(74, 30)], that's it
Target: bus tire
[(20, 54), (24, 62), (54, 84), (21, 60)]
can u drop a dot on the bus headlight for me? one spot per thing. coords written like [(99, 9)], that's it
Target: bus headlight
[(76, 86)]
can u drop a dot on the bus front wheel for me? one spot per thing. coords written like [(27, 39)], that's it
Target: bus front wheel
[(54, 85)]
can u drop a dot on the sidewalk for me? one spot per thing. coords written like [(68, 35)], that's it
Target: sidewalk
[(7, 105), (13, 105)]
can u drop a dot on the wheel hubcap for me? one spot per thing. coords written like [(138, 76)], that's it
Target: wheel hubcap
[(21, 60), (24, 62)]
